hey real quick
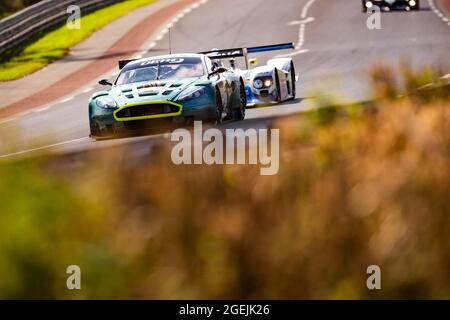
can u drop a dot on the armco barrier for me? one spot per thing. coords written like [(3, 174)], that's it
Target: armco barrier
[(45, 14)]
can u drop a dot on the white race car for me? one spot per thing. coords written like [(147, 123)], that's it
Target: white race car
[(273, 83)]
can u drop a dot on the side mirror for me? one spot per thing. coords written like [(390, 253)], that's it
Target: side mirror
[(217, 71), (105, 82)]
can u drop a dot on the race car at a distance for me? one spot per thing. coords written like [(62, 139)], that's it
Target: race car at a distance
[(387, 5), (165, 91), (274, 82)]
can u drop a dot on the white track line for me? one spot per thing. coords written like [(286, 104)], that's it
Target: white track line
[(438, 12), (88, 89), (174, 21), (304, 19), (41, 148), (43, 109), (306, 8), (17, 116), (8, 120), (66, 99)]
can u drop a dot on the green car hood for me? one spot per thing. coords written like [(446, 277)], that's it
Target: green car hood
[(154, 90)]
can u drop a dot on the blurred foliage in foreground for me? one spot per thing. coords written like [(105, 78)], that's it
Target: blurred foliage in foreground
[(357, 186), (10, 6)]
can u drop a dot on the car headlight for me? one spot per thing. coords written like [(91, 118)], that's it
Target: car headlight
[(268, 83), (262, 83), (258, 84), (106, 102), (191, 93)]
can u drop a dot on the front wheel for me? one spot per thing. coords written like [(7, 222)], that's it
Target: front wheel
[(219, 108), (239, 113)]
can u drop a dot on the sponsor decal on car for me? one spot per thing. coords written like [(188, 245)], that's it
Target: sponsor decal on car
[(163, 61)]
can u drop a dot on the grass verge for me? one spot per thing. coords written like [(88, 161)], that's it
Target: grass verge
[(44, 49)]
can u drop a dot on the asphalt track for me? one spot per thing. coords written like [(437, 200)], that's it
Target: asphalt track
[(335, 49)]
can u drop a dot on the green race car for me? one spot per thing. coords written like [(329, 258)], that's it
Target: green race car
[(166, 90)]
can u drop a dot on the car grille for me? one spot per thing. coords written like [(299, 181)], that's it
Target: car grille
[(149, 125), (147, 110), (264, 93)]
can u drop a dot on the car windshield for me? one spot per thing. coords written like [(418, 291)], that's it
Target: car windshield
[(161, 69)]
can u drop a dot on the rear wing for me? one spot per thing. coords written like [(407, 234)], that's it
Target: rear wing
[(243, 52), (232, 53)]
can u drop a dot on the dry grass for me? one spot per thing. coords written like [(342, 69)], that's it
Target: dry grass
[(357, 186)]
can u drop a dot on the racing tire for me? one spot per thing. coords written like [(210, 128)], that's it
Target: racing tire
[(95, 130), (219, 108), (239, 113), (293, 82), (277, 85)]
